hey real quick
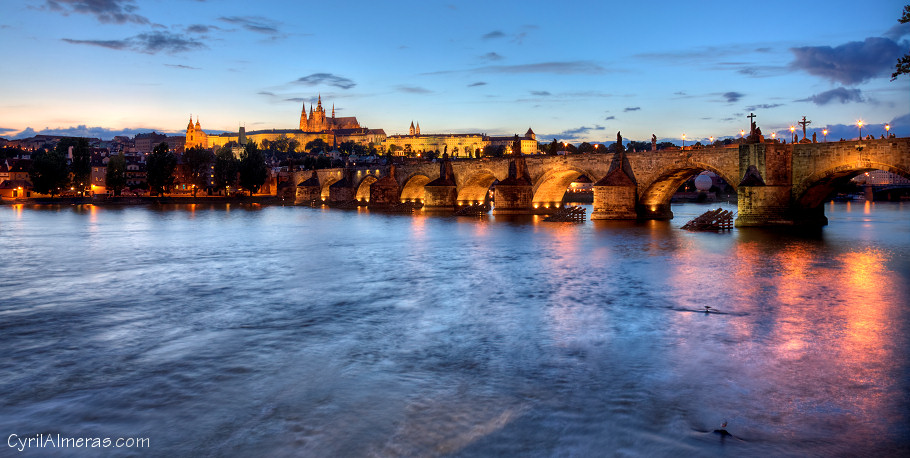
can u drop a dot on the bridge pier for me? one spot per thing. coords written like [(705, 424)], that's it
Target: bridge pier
[(441, 194), (658, 212), (514, 195), (343, 190), (309, 190), (385, 191), (615, 195)]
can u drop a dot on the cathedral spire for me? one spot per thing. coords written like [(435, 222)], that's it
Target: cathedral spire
[(333, 111)]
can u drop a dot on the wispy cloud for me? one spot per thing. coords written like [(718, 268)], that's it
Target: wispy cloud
[(201, 28), (148, 43), (106, 11), (180, 66), (841, 94), (256, 24), (413, 90), (627, 109), (541, 93), (327, 79), (479, 83), (764, 106), (582, 133), (850, 63)]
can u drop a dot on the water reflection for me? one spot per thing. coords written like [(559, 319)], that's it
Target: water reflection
[(302, 331)]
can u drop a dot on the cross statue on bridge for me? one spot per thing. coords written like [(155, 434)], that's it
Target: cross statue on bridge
[(751, 123), (804, 123)]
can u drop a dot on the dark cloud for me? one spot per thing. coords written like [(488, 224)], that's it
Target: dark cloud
[(764, 106), (494, 34), (479, 83), (609, 118), (270, 94), (627, 109), (842, 95), (761, 71), (540, 93), (898, 31), (327, 79), (732, 96), (413, 89), (148, 43), (850, 63), (254, 24), (491, 56), (106, 11)]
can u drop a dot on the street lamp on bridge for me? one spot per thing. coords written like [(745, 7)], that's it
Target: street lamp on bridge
[(684, 141), (887, 130), (825, 134), (860, 125)]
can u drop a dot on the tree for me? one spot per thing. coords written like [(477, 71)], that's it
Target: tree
[(585, 147), (160, 167), (253, 171), (198, 162), (226, 167), (49, 173), (115, 177), (553, 148), (81, 166), (316, 146), (494, 151), (903, 64)]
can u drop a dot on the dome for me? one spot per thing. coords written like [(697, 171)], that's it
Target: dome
[(703, 182)]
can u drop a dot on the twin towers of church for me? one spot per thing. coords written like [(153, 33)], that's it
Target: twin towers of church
[(317, 121)]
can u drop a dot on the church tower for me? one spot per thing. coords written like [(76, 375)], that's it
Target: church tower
[(418, 128), (303, 118), (411, 130)]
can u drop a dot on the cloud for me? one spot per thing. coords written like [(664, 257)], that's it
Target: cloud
[(413, 90), (103, 133), (850, 63), (842, 95), (627, 109), (577, 134), (898, 31), (493, 35), (491, 56), (732, 96), (764, 106), (200, 28), (479, 83), (540, 93), (559, 68), (609, 118), (185, 67), (148, 43), (256, 24), (327, 79), (106, 11)]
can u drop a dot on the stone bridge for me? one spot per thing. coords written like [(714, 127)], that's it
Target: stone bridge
[(777, 184)]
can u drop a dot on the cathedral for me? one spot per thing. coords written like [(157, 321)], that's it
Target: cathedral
[(318, 122)]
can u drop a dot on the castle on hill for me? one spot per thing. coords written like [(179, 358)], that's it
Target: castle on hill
[(312, 126)]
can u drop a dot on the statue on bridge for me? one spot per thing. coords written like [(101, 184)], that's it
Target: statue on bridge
[(653, 142)]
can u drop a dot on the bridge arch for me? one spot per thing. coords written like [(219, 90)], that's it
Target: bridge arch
[(476, 187), (327, 184), (813, 190), (550, 188), (655, 196), (413, 189), (363, 190)]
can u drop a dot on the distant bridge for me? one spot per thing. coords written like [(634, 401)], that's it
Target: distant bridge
[(777, 184)]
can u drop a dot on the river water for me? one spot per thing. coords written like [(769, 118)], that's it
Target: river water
[(292, 331)]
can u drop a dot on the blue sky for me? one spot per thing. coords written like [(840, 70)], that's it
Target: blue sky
[(574, 71)]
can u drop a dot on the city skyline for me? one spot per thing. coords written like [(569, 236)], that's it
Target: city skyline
[(579, 72)]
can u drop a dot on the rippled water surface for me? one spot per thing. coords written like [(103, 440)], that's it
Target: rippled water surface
[(290, 331)]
